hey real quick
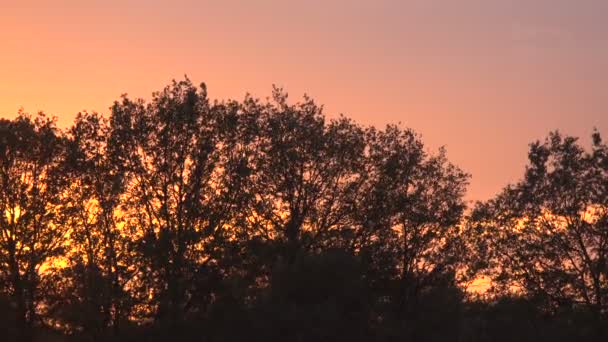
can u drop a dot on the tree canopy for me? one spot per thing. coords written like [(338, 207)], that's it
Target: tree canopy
[(187, 218)]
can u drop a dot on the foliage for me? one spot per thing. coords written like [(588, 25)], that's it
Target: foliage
[(190, 219)]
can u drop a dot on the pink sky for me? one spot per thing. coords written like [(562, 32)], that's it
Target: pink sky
[(482, 77)]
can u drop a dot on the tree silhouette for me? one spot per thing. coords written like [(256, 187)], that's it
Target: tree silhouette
[(408, 218), (190, 219), (181, 190), (547, 235), (94, 294), (35, 214), (308, 174)]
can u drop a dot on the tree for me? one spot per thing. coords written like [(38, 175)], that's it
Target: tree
[(181, 190), (33, 227), (408, 220), (96, 282), (547, 235), (307, 174)]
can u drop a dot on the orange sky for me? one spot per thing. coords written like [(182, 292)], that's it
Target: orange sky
[(482, 77)]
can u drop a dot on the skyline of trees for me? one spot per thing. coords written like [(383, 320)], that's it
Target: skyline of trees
[(185, 217)]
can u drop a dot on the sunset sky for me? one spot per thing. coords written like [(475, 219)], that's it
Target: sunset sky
[(482, 77)]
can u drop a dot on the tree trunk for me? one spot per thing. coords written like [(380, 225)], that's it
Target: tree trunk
[(22, 323)]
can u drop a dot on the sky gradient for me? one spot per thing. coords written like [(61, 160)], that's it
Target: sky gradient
[(482, 77)]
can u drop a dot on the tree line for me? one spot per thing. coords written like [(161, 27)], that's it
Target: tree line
[(190, 219)]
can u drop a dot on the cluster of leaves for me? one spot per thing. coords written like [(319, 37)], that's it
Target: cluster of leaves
[(206, 220)]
